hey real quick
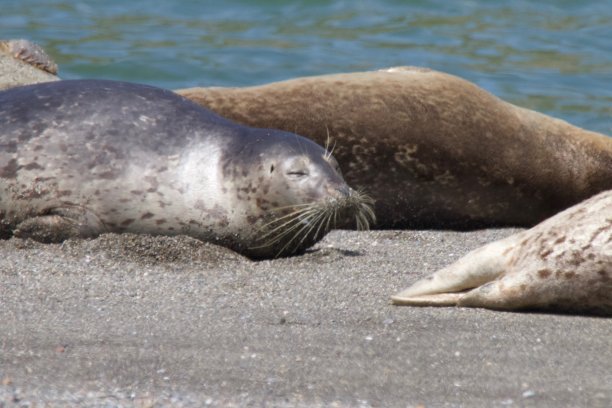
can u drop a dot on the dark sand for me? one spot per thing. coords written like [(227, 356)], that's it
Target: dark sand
[(155, 321)]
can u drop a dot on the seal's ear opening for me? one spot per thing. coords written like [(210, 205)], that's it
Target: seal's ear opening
[(271, 169)]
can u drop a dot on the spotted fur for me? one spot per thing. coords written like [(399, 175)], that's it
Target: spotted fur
[(79, 158), (563, 264)]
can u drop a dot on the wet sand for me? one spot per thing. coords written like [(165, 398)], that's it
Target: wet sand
[(140, 320)]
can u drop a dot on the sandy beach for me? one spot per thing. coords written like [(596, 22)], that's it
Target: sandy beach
[(126, 320)]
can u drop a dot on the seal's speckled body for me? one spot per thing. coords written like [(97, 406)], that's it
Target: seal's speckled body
[(79, 158), (432, 149), (562, 264)]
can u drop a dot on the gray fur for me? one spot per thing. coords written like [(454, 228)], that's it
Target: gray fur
[(79, 158)]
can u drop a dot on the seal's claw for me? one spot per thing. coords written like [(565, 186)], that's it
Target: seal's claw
[(30, 53)]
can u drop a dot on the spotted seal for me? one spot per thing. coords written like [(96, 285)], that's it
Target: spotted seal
[(432, 149), (563, 264), (79, 158)]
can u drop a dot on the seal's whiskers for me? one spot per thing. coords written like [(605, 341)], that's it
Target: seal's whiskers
[(304, 231), (309, 222), (329, 152)]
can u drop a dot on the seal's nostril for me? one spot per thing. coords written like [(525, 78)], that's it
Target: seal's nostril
[(338, 191), (345, 190)]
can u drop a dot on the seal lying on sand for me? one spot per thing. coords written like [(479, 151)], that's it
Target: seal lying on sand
[(562, 264), (79, 158), (23, 62), (433, 150)]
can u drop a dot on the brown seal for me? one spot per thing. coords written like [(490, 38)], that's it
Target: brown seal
[(563, 264), (80, 158), (432, 149)]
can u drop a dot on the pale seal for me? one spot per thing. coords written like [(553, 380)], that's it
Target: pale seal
[(563, 264), (22, 62), (432, 150), (79, 158)]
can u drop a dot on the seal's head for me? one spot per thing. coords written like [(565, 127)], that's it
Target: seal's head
[(296, 190)]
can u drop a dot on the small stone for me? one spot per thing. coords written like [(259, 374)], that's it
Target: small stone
[(529, 394)]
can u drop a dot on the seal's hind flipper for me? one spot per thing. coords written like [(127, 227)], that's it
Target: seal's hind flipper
[(59, 225), (502, 294), (438, 299), (447, 286)]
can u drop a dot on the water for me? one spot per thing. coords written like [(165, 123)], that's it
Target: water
[(552, 56)]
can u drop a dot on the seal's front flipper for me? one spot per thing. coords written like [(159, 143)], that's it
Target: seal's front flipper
[(60, 224), (447, 286), (29, 53)]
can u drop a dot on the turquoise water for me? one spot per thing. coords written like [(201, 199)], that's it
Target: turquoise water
[(552, 56)]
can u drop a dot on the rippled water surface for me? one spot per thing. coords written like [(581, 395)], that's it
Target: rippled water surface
[(552, 56)]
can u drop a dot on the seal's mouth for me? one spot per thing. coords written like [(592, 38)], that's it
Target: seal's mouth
[(294, 228)]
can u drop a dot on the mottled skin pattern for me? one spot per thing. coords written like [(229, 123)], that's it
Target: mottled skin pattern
[(433, 150), (78, 158), (563, 264)]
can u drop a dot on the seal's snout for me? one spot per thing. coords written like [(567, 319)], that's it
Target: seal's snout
[(351, 208)]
